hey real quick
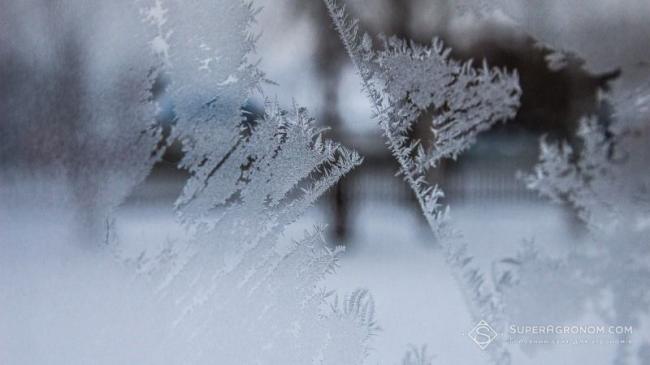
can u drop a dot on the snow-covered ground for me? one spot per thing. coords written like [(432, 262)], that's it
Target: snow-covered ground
[(390, 252)]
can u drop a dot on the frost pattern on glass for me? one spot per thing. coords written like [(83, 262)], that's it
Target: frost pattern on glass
[(608, 183), (262, 306), (207, 57), (606, 180), (79, 118), (282, 164), (404, 81), (524, 282), (598, 33), (241, 293), (417, 356), (237, 261), (605, 177), (589, 181)]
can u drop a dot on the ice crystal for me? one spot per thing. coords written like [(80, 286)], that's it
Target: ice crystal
[(262, 306), (607, 182), (404, 82), (566, 25), (237, 264), (235, 284), (604, 177), (417, 356), (233, 289)]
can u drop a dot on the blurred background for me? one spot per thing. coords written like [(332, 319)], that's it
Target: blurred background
[(390, 249)]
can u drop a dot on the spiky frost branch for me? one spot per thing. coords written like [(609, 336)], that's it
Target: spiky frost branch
[(402, 81), (405, 79)]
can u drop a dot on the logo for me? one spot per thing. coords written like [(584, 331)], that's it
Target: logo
[(482, 334)]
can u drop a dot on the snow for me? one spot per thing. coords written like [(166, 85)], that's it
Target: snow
[(392, 253)]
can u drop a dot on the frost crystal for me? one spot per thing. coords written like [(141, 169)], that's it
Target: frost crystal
[(559, 178), (405, 82), (605, 178), (78, 122), (236, 264), (524, 282), (261, 306), (417, 356), (568, 25), (207, 61), (607, 181), (250, 179)]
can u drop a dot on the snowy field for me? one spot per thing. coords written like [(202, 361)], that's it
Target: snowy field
[(391, 252), (417, 300)]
